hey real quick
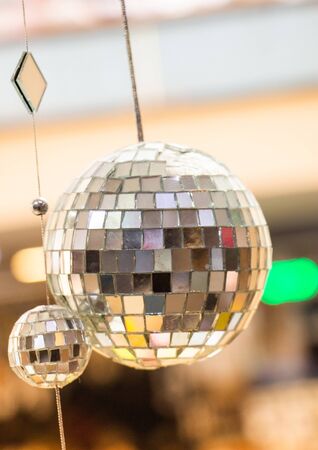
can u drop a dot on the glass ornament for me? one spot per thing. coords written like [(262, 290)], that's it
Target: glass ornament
[(162, 252), (48, 347)]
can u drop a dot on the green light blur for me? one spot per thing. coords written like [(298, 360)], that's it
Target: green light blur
[(294, 280)]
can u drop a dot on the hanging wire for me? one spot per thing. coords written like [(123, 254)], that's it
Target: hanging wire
[(25, 27), (60, 417), (37, 168), (132, 72), (36, 155), (39, 189)]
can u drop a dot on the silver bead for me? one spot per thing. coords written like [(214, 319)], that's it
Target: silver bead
[(48, 347), (40, 206)]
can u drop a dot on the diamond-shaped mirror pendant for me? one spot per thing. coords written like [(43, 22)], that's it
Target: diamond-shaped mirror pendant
[(29, 82)]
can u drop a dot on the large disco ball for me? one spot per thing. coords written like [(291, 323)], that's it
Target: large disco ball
[(162, 252)]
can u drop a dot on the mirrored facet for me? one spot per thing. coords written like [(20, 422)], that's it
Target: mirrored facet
[(54, 350), (29, 82), (164, 253)]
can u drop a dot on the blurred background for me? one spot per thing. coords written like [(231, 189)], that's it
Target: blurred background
[(235, 78)]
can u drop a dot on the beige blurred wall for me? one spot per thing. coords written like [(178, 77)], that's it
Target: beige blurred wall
[(270, 142)]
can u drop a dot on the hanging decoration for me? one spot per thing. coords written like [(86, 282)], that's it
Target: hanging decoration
[(161, 250), (48, 347)]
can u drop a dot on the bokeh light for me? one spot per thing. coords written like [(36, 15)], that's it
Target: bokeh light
[(293, 280)]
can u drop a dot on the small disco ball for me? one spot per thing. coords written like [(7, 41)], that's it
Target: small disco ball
[(48, 347), (163, 253)]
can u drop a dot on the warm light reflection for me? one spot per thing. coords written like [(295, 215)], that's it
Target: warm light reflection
[(282, 416), (27, 265)]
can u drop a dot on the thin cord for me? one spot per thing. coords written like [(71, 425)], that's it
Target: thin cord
[(132, 72), (36, 155), (60, 417), (25, 27), (39, 187), (47, 294)]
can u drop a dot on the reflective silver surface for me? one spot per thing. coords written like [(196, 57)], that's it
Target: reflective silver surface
[(163, 253), (48, 347)]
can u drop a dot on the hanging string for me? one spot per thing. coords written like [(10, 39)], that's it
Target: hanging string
[(25, 27), (132, 72), (60, 417), (39, 189), (37, 168)]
